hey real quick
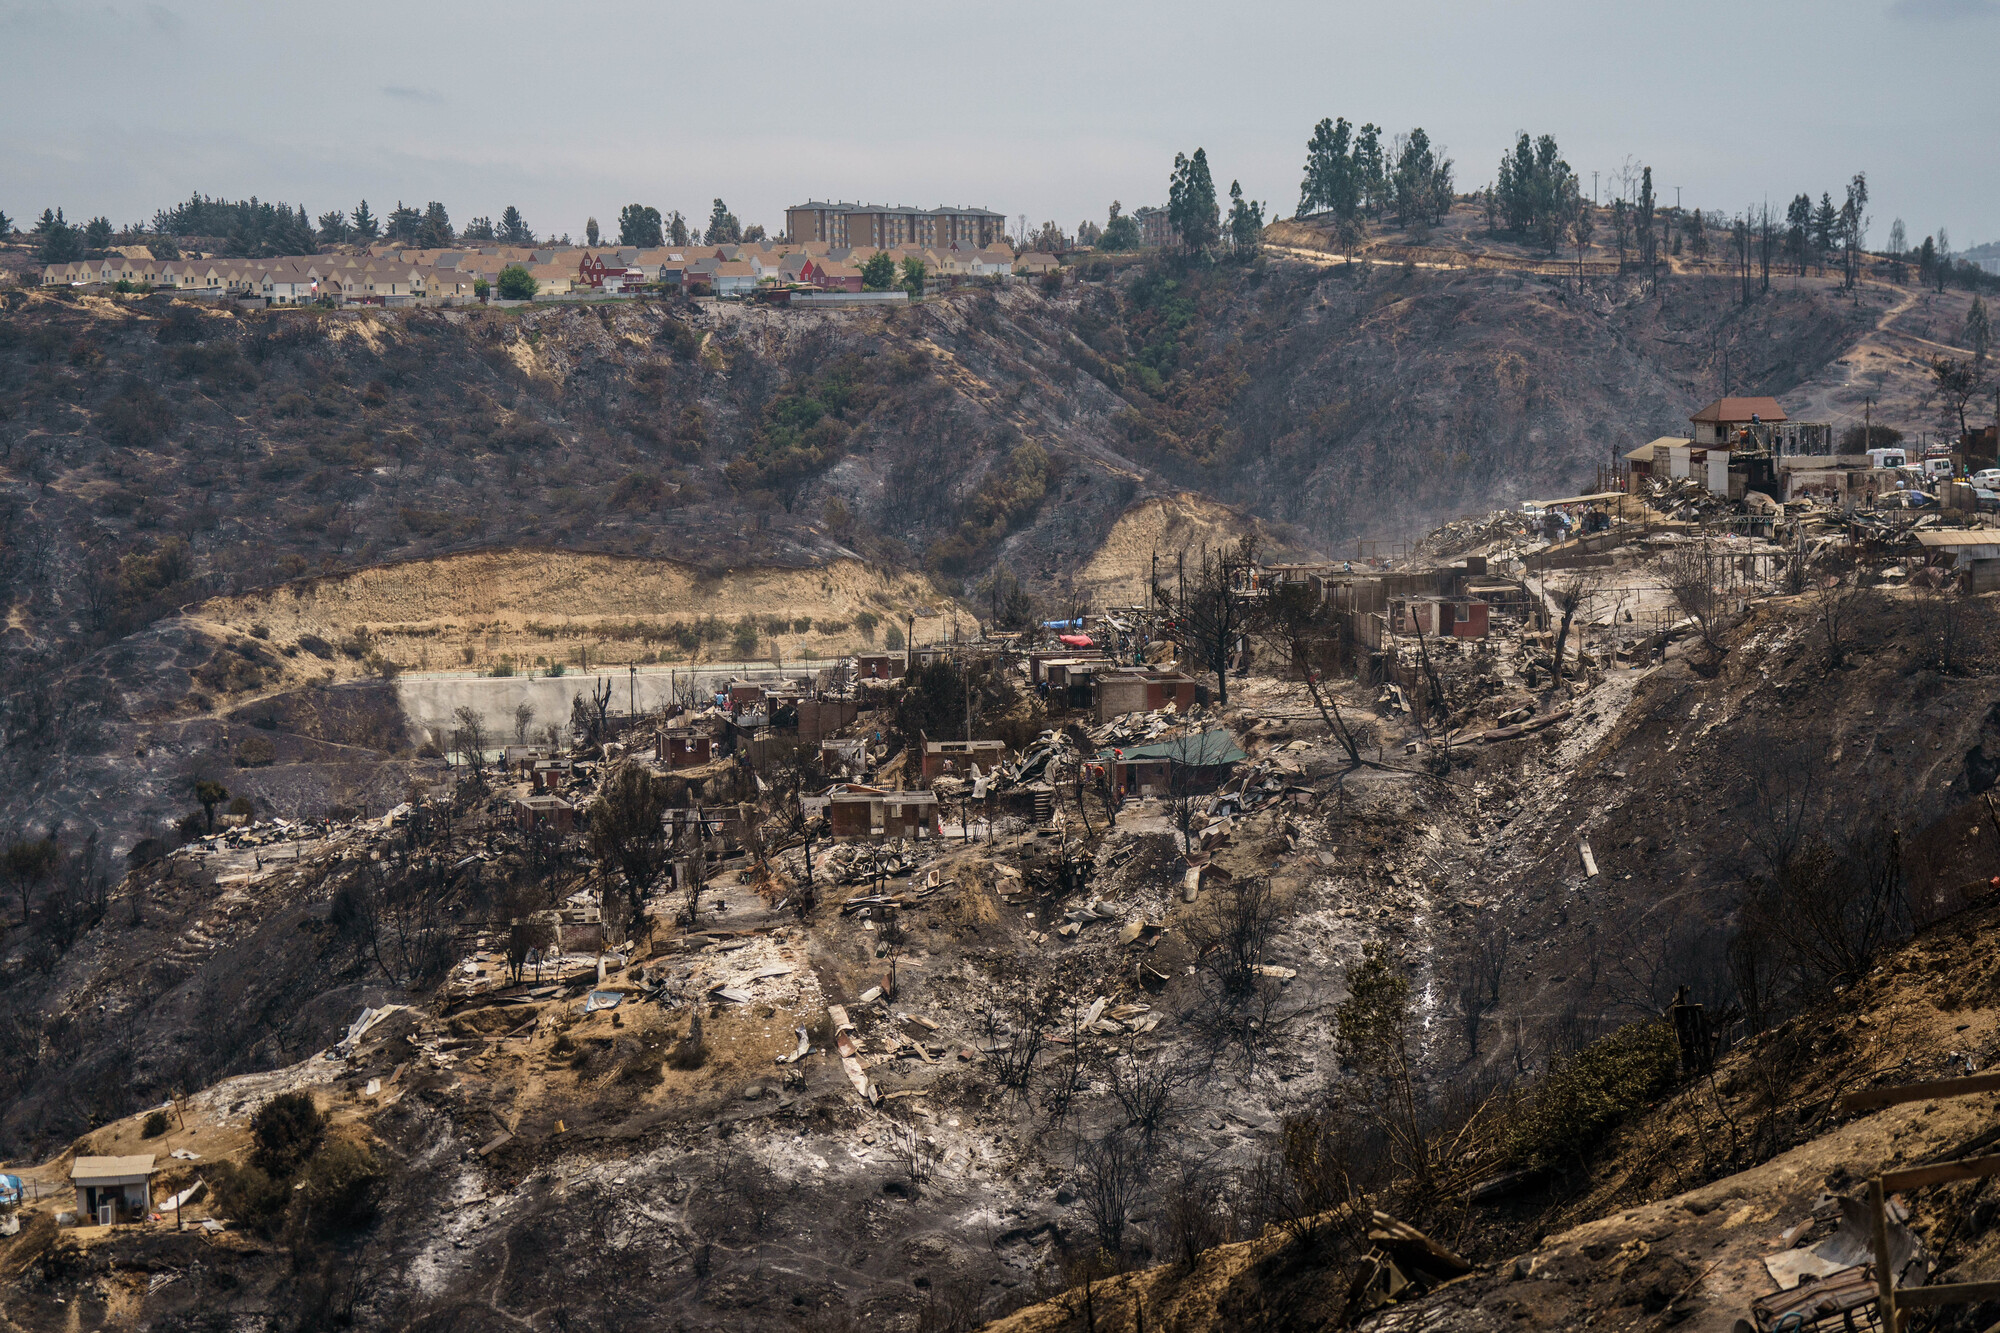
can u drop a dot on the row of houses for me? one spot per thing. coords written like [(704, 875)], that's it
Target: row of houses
[(392, 276)]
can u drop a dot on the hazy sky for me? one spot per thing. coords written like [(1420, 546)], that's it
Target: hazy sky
[(1051, 110)]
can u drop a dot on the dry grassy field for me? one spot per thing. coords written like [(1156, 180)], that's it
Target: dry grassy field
[(533, 608)]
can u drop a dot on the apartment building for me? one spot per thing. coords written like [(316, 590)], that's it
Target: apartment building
[(883, 227)]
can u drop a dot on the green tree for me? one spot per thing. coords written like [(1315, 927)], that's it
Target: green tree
[(210, 794), (334, 228), (723, 228), (1798, 231), (913, 277), (514, 229), (1825, 228), (878, 274), (1422, 181), (366, 226), (6, 226), (435, 232), (1246, 222), (97, 234), (285, 1132), (1332, 180), (1537, 191), (1854, 230), (516, 284), (1121, 231), (56, 242), (590, 232), (403, 225), (639, 225), (1191, 206), (1371, 168), (677, 229), (1649, 241), (479, 229)]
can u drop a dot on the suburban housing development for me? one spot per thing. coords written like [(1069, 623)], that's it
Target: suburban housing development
[(825, 251)]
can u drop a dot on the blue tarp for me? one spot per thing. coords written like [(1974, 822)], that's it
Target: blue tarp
[(1063, 624), (10, 1189)]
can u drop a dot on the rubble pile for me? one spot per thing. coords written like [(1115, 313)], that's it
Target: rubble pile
[(863, 863), (1469, 534), (1686, 500)]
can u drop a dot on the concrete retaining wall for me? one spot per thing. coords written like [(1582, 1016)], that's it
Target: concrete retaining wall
[(429, 700)]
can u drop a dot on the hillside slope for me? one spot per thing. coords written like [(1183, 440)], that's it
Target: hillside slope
[(1672, 1236)]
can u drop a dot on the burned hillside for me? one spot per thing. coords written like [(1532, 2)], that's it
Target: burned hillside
[(1028, 972)]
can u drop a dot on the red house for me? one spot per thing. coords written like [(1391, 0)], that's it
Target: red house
[(607, 274), (684, 750), (1454, 617)]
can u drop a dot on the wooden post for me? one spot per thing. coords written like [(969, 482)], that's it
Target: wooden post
[(1885, 1280)]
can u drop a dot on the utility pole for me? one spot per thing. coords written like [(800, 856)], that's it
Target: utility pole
[(632, 691), (1593, 187)]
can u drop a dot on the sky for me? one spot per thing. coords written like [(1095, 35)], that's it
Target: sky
[(1047, 110)]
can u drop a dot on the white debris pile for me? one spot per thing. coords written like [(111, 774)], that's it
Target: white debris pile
[(752, 969)]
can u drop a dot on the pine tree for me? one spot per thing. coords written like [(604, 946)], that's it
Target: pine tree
[(590, 232), (677, 229), (97, 234), (435, 233), (366, 226), (1825, 223), (56, 242), (6, 226), (514, 229), (479, 229), (333, 228), (403, 224)]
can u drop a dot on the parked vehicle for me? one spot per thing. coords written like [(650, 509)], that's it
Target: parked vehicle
[(1988, 477)]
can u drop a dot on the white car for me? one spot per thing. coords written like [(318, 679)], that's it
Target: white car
[(1987, 477)]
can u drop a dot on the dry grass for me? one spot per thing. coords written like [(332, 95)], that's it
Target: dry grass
[(1119, 573), (523, 605)]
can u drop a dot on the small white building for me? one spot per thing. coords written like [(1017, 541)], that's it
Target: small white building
[(110, 1190)]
